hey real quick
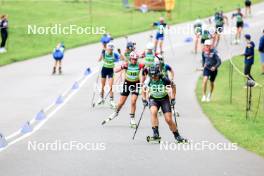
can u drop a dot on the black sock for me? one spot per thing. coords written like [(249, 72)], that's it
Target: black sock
[(155, 131), (111, 98), (176, 133), (132, 115)]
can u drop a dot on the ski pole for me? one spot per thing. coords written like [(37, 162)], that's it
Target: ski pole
[(94, 90), (139, 122)]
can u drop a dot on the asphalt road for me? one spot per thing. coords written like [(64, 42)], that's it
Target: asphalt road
[(27, 87)]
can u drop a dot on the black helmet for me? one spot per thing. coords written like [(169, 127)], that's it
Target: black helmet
[(131, 45), (154, 70)]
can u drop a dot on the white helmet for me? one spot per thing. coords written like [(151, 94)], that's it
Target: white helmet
[(198, 21), (110, 46), (133, 55), (150, 46), (207, 42)]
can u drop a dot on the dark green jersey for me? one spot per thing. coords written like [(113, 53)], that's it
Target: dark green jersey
[(158, 88)]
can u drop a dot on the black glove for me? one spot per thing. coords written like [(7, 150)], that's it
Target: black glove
[(145, 102), (173, 102), (119, 50)]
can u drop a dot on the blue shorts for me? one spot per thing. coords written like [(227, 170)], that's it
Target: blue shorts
[(107, 72), (211, 74), (262, 57), (159, 36), (58, 58)]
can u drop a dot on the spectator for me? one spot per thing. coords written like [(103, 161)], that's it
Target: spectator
[(58, 54), (4, 32), (248, 4), (261, 51), (249, 56)]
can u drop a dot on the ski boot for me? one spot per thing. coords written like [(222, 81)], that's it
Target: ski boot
[(132, 122), (155, 138), (178, 138)]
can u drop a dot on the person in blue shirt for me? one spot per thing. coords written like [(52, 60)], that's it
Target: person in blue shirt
[(161, 26), (106, 38), (249, 56), (210, 63), (58, 54), (261, 52)]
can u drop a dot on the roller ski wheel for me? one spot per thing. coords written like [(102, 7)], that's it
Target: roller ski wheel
[(153, 139)]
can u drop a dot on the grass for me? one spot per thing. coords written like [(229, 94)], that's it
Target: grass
[(108, 13), (230, 119)]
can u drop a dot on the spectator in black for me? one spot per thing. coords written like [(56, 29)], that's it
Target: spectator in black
[(4, 32), (261, 52), (249, 56), (248, 4)]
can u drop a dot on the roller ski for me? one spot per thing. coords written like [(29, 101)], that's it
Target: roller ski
[(111, 117), (153, 139)]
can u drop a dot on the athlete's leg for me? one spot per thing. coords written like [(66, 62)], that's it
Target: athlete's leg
[(154, 120), (111, 81), (121, 102), (156, 45), (170, 122), (211, 87), (133, 103), (197, 37), (154, 116), (161, 46), (204, 86)]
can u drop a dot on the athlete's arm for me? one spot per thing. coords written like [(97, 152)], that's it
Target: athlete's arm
[(170, 70), (170, 83), (121, 67)]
